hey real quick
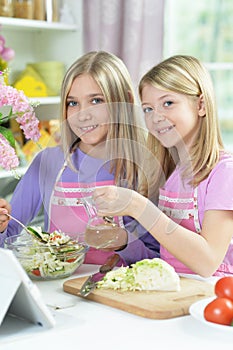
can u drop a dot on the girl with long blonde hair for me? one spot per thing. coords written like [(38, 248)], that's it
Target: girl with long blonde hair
[(193, 221), (102, 142)]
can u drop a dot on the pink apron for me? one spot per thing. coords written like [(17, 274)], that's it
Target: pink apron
[(68, 214), (183, 209)]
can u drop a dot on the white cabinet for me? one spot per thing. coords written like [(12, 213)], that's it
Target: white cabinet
[(35, 41)]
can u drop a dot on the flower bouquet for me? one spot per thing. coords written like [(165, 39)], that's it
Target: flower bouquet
[(13, 104)]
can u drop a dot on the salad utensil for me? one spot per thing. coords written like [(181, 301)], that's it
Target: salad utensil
[(32, 232), (91, 283)]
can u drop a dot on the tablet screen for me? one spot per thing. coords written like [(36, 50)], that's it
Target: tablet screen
[(19, 296)]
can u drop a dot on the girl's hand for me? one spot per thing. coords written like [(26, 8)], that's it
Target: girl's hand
[(113, 200), (5, 208)]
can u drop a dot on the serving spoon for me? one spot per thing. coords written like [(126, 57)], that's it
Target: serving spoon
[(32, 232)]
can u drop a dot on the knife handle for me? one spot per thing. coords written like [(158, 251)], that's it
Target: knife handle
[(110, 263)]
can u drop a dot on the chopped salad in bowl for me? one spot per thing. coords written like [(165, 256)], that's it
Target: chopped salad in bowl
[(58, 256)]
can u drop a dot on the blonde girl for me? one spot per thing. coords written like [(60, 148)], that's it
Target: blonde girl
[(194, 218), (101, 144)]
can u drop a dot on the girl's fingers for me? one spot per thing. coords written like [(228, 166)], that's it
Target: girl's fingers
[(5, 207)]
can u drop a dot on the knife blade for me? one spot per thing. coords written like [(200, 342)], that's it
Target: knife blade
[(91, 282)]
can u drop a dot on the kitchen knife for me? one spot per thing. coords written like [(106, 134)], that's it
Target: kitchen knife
[(90, 284)]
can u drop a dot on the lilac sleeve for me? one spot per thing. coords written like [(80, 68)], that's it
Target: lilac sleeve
[(26, 200)]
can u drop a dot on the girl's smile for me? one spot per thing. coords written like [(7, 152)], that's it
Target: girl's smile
[(87, 129), (165, 130)]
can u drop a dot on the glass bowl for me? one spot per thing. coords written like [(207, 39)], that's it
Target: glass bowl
[(47, 262)]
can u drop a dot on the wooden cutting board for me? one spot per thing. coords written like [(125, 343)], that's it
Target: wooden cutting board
[(149, 304)]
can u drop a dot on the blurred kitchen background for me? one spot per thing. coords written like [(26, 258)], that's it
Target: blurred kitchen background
[(48, 35)]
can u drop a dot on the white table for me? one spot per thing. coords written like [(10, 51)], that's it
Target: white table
[(82, 323)]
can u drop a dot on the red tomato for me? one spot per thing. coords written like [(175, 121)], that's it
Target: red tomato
[(36, 272), (55, 237), (224, 287), (219, 310)]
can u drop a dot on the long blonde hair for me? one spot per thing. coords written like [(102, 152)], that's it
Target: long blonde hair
[(186, 75), (126, 137)]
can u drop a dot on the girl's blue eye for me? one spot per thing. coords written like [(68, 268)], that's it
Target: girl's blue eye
[(168, 103), (147, 110), (97, 100), (71, 103)]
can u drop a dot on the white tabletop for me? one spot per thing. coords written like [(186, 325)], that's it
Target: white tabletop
[(81, 322)]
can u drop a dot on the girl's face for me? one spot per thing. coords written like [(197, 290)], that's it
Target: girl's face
[(171, 117), (87, 112)]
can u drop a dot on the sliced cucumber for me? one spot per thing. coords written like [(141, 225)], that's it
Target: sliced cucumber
[(42, 236), (32, 230)]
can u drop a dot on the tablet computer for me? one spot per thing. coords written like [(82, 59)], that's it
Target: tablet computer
[(19, 296)]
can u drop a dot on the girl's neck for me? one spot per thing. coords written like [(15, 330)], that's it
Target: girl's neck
[(95, 151), (183, 150)]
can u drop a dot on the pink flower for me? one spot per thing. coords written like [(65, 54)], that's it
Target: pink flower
[(7, 54), (8, 157), (22, 110)]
